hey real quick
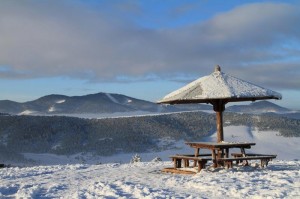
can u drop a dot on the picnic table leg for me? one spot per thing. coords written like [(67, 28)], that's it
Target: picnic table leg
[(197, 150), (243, 152), (201, 165), (177, 163), (264, 162), (213, 153), (227, 152), (186, 163), (245, 163), (220, 154), (228, 164)]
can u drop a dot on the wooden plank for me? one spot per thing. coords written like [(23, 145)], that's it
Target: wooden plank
[(249, 158), (200, 160), (264, 160), (178, 171), (193, 155), (249, 154), (190, 158), (222, 145)]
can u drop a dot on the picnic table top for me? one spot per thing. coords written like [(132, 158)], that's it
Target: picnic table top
[(220, 144)]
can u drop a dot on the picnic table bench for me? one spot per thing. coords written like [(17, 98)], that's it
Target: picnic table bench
[(200, 160), (248, 154), (264, 159)]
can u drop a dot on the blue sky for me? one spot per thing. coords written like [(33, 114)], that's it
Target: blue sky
[(145, 49)]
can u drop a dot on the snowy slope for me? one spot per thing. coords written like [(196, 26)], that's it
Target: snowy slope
[(112, 98), (144, 180)]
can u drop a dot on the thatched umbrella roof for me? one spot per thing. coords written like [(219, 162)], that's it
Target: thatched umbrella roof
[(218, 89)]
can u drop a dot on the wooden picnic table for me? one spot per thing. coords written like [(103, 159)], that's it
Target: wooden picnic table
[(219, 155), (219, 150)]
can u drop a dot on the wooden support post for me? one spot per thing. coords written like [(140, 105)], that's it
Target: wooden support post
[(220, 136), (219, 107)]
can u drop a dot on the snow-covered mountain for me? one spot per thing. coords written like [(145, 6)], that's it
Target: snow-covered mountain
[(114, 105), (258, 107), (98, 103), (93, 103)]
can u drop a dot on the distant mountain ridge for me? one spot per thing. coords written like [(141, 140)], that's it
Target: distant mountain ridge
[(92, 103), (258, 107), (109, 103)]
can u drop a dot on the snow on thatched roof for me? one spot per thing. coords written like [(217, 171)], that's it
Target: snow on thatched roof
[(219, 85)]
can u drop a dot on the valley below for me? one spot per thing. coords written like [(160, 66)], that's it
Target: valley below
[(34, 140), (105, 127)]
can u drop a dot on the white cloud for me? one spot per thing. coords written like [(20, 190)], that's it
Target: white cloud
[(61, 38)]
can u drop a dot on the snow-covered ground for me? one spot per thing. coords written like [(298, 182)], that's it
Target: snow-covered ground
[(281, 179), (63, 177)]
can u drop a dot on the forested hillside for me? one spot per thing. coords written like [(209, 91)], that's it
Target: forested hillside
[(68, 135), (287, 127)]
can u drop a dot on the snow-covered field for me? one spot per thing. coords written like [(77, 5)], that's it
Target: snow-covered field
[(58, 179), (144, 180)]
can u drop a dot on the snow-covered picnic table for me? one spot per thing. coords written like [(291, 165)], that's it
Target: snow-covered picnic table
[(219, 155)]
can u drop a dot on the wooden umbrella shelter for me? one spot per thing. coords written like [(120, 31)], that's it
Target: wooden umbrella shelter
[(218, 89)]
